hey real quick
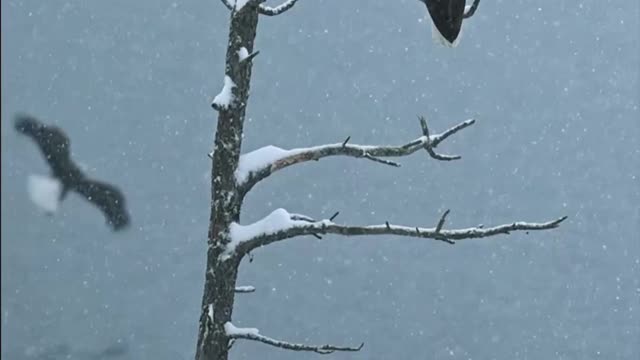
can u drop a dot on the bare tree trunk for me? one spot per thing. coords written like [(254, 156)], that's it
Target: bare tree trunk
[(220, 277)]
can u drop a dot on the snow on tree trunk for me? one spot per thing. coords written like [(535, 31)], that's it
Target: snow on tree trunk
[(220, 277)]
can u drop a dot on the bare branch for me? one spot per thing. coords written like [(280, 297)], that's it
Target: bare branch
[(250, 57), (441, 157), (438, 231), (382, 161), (436, 140), (251, 170), (293, 227), (228, 4), (424, 126), (346, 141), (280, 9), (253, 334), (299, 217), (470, 10), (245, 289), (430, 151), (442, 220)]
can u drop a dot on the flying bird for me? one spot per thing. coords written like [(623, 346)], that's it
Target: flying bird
[(66, 175), (447, 16)]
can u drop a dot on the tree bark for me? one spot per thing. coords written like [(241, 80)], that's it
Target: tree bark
[(220, 277)]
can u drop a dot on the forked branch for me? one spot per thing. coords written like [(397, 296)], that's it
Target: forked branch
[(253, 334), (259, 164), (263, 9)]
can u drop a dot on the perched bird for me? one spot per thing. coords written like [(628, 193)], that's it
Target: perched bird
[(447, 16), (47, 192)]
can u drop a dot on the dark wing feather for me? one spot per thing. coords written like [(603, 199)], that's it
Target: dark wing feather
[(54, 145), (108, 199), (447, 16)]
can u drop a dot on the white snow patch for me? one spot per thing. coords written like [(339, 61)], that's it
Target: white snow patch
[(243, 54), (210, 312), (258, 159), (278, 220), (225, 97), (45, 192), (232, 330), (246, 288)]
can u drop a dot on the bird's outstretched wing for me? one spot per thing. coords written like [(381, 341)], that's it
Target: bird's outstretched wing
[(447, 18), (54, 145), (52, 141), (108, 199)]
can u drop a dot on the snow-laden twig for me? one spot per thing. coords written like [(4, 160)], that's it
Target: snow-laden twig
[(280, 9), (253, 334), (245, 289), (243, 53), (245, 57), (280, 225), (259, 164), (470, 10), (279, 220), (225, 98)]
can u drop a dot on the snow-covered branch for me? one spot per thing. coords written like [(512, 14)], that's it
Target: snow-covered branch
[(244, 56), (263, 9), (281, 225), (470, 10), (280, 9), (253, 334), (245, 289), (259, 164)]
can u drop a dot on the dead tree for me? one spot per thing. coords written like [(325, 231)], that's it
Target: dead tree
[(233, 176)]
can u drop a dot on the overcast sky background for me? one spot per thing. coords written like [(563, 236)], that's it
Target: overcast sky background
[(554, 86)]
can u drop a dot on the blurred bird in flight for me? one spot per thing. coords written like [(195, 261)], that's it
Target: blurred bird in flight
[(48, 191)]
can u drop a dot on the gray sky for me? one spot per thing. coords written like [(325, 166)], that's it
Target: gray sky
[(554, 86)]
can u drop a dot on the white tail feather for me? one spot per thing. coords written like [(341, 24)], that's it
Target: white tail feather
[(45, 192)]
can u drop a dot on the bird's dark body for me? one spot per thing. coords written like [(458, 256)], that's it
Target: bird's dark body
[(447, 16), (55, 148)]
